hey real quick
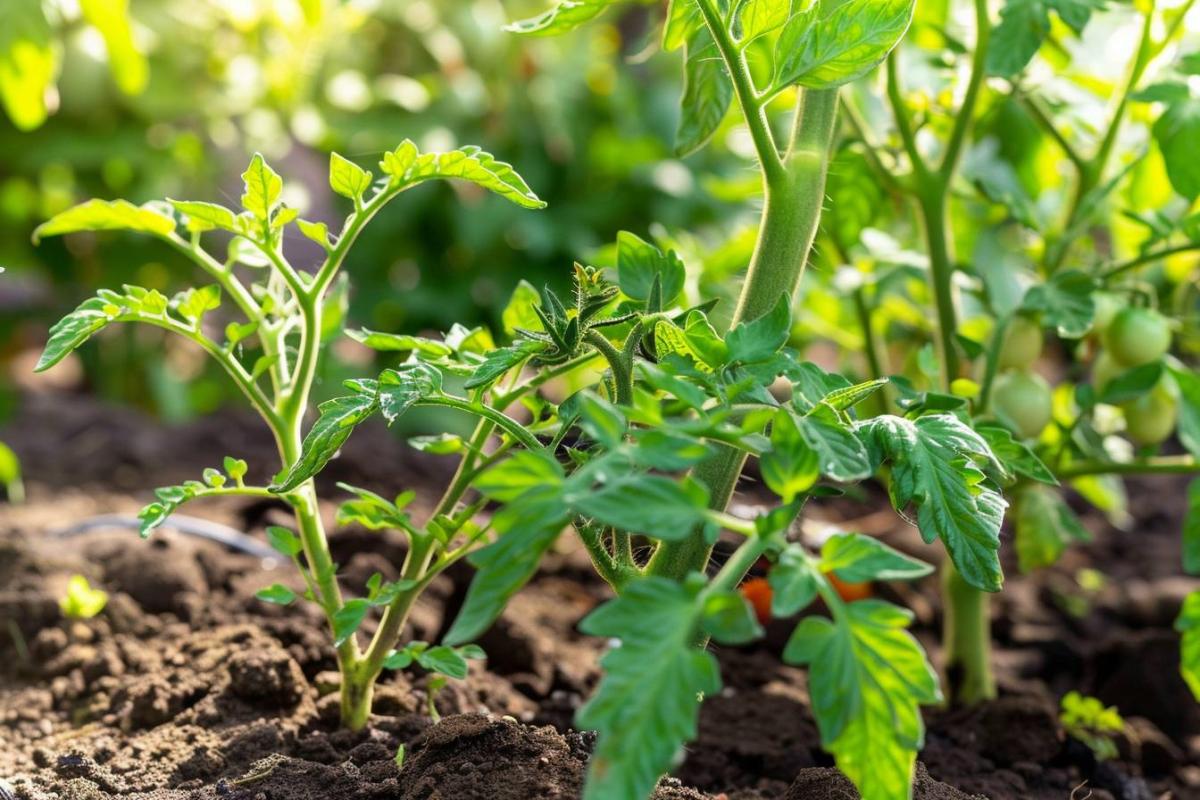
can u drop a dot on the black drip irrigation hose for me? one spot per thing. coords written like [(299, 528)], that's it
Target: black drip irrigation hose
[(181, 523)]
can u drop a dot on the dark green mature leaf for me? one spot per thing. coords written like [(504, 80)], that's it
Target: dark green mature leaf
[(407, 166), (327, 435), (936, 468), (1065, 302), (650, 504), (824, 51), (515, 476), (1014, 455), (793, 581), (1045, 525), (729, 619), (1133, 383), (648, 701), (1191, 530), (791, 466), (105, 215), (639, 263), (868, 678), (661, 449), (1176, 132), (759, 339), (856, 558), (1189, 408), (840, 455), (1188, 624), (707, 93), (1024, 25), (525, 530), (401, 388)]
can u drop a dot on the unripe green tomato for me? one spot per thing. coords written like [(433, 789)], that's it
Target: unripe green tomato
[(1022, 343), (1022, 399), (1138, 336), (1150, 419), (1104, 369), (1107, 305)]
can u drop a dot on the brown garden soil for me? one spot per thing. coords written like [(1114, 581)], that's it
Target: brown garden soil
[(187, 687)]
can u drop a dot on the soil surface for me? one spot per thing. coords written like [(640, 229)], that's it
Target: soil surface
[(187, 687)]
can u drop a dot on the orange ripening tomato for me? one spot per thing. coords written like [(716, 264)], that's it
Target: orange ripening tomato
[(849, 591), (758, 593)]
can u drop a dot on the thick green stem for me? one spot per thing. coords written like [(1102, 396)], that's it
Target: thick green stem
[(789, 223), (966, 639), (1158, 465), (941, 278)]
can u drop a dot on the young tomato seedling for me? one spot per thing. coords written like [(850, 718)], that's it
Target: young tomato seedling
[(271, 350)]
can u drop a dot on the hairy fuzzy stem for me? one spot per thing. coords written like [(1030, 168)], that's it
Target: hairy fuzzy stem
[(789, 223)]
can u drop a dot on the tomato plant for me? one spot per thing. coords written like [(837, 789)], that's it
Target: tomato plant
[(287, 316)]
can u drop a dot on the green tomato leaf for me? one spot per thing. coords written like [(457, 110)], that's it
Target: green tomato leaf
[(640, 263), (856, 558), (498, 362), (347, 619), (525, 530), (1065, 301), (759, 339), (105, 215), (513, 477), (407, 166), (128, 64), (936, 467), (194, 303), (28, 62), (263, 189), (1188, 624), (401, 388), (444, 660), (793, 580), (683, 18), (400, 342), (1176, 132), (519, 313), (76, 328), (1191, 530), (791, 467), (824, 51), (648, 701), (1045, 525), (206, 216), (707, 93), (284, 541), (1189, 408), (760, 17), (840, 455), (566, 15), (276, 593), (347, 178), (868, 678), (729, 619), (1014, 455), (638, 503), (338, 417)]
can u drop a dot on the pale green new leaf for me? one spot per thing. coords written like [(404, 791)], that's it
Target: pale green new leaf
[(347, 178), (128, 64), (683, 18), (707, 93), (400, 389), (106, 215), (1188, 625), (400, 342), (868, 678), (566, 15), (1045, 525), (263, 189), (205, 216), (28, 62), (407, 166), (648, 701), (519, 313), (822, 52), (76, 328), (760, 17), (936, 467), (338, 419)]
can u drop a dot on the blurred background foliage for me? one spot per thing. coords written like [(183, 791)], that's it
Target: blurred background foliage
[(145, 99)]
